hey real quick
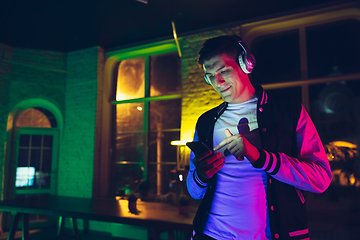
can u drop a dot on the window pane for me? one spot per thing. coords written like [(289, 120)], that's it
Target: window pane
[(131, 79), (48, 116), (332, 111), (165, 74), (36, 140), (166, 178), (286, 93), (333, 48), (160, 148), (48, 141), (25, 177), (25, 119), (36, 117), (36, 158), (129, 117), (46, 163), (42, 180), (24, 140), (165, 117), (335, 114), (165, 114), (23, 159), (40, 119), (277, 58), (130, 147)]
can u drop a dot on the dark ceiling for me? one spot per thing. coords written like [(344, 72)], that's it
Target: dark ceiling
[(61, 25)]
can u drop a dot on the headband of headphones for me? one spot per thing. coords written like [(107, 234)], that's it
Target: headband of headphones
[(246, 60)]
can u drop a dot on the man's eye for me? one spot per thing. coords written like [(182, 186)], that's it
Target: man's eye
[(226, 71)]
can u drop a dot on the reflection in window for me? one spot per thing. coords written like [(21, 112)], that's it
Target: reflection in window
[(129, 118), (130, 139), (164, 128), (130, 80), (165, 113), (165, 74), (130, 147), (24, 176), (332, 112), (144, 129)]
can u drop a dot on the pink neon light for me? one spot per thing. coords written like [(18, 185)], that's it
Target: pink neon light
[(297, 233)]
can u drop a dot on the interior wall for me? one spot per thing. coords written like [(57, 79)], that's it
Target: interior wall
[(27, 74), (76, 160)]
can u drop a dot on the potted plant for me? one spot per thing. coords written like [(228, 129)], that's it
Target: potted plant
[(132, 198), (183, 204)]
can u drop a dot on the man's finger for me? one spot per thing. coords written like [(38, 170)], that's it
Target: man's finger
[(225, 141), (228, 133), (222, 144)]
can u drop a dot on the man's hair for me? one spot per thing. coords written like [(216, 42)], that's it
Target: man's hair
[(212, 47)]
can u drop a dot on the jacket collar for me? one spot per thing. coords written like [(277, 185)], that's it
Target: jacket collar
[(261, 94)]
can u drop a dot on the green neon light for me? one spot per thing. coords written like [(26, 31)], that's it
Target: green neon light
[(157, 98), (142, 51)]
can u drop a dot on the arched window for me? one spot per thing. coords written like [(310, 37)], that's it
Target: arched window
[(35, 151)]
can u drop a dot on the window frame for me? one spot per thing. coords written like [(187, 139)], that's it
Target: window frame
[(300, 22), (104, 155), (147, 99), (54, 157)]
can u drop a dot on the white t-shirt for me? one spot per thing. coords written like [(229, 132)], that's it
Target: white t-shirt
[(239, 208)]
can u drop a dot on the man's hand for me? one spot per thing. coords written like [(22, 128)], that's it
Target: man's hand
[(208, 164), (238, 146)]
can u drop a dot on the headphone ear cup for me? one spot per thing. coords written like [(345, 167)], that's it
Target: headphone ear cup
[(250, 63), (246, 59), (242, 64)]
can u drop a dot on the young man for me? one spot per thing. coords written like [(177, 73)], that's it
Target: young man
[(264, 152)]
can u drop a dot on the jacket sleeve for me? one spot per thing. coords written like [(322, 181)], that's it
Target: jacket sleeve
[(310, 171), (195, 186)]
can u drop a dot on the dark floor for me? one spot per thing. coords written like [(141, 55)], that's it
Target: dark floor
[(51, 234)]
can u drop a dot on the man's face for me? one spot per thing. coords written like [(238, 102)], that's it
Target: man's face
[(228, 79)]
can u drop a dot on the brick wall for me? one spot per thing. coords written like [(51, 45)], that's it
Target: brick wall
[(76, 161)]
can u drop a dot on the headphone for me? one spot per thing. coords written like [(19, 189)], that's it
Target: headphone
[(246, 60)]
